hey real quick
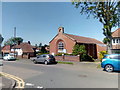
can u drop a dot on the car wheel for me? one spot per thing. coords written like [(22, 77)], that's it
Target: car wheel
[(35, 62), (109, 68), (46, 63)]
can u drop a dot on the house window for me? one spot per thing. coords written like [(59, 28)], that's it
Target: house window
[(117, 40), (60, 46), (113, 40)]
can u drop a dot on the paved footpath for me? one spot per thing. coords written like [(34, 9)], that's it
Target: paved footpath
[(6, 83)]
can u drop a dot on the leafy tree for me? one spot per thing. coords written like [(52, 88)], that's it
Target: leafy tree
[(40, 45), (105, 40), (36, 45), (13, 41), (43, 49), (79, 49), (105, 12)]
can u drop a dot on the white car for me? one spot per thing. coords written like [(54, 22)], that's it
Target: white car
[(9, 57)]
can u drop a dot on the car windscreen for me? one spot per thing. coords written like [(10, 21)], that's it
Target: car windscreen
[(115, 57)]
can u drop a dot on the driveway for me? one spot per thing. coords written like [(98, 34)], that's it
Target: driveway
[(80, 75)]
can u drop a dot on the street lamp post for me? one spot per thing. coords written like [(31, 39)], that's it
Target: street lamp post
[(14, 38)]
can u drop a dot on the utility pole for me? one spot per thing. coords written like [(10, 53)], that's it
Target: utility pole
[(14, 32), (14, 38)]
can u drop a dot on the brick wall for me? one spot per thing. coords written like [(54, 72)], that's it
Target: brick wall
[(68, 58), (68, 43)]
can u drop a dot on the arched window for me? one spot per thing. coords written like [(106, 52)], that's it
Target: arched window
[(60, 46)]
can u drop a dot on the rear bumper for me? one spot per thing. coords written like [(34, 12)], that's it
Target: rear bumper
[(52, 62)]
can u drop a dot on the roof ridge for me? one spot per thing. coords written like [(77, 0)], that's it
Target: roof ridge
[(83, 36), (116, 30), (69, 37), (95, 40), (116, 33)]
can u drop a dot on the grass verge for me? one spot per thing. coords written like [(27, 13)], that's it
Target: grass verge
[(65, 62), (99, 66), (1, 75)]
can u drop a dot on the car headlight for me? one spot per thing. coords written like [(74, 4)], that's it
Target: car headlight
[(103, 60)]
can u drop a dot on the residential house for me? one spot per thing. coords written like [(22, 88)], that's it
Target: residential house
[(24, 50), (64, 43), (6, 49), (116, 39)]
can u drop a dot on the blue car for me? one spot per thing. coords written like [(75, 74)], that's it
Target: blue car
[(111, 62)]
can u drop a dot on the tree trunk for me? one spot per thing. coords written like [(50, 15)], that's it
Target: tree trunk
[(109, 46)]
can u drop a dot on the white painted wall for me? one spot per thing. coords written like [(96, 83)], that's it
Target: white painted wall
[(115, 41), (19, 51)]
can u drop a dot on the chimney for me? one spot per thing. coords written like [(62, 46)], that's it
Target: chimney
[(29, 42), (61, 30)]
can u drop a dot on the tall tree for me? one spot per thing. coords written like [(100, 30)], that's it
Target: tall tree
[(106, 12), (13, 41)]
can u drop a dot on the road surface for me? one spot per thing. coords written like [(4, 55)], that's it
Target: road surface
[(81, 75)]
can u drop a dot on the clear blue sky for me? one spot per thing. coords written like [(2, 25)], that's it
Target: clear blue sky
[(38, 22)]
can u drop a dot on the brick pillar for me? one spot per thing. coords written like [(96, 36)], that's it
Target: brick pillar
[(63, 57)]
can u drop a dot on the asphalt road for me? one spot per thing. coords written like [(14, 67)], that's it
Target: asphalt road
[(81, 75)]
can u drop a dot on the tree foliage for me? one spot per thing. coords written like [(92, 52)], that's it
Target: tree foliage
[(105, 12), (13, 41), (79, 49)]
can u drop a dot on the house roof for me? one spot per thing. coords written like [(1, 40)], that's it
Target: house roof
[(26, 47), (116, 33), (81, 39), (7, 47)]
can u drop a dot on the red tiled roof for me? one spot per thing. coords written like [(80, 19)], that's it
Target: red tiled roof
[(116, 33), (7, 47), (25, 47), (80, 39)]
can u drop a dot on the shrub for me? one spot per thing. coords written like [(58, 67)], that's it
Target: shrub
[(86, 57), (60, 54), (79, 49), (116, 52), (101, 54), (42, 53)]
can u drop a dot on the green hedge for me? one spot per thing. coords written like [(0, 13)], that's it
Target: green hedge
[(60, 54), (42, 53)]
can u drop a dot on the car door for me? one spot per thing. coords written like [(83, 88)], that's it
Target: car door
[(116, 62), (119, 62), (38, 59), (43, 58)]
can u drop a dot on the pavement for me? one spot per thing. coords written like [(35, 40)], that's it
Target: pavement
[(7, 83)]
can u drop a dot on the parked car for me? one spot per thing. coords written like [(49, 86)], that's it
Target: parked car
[(45, 58), (111, 62), (9, 57)]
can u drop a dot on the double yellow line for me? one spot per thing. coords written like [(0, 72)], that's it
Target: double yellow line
[(19, 81)]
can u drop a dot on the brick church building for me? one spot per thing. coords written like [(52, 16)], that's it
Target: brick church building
[(64, 43)]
